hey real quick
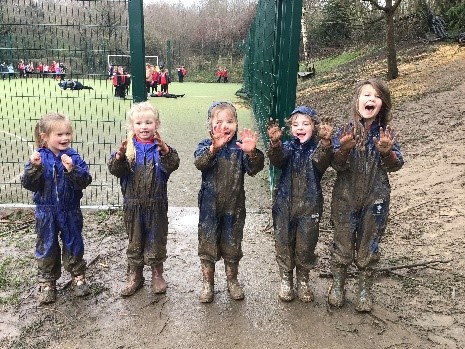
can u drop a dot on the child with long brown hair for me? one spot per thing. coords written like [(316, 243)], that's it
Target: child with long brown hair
[(365, 152)]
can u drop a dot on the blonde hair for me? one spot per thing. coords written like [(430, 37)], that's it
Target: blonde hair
[(135, 111), (46, 125)]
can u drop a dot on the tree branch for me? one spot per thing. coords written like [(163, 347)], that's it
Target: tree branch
[(378, 6)]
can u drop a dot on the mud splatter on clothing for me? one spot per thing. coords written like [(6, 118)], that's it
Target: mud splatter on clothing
[(298, 202), (57, 195), (145, 201), (360, 201), (222, 199)]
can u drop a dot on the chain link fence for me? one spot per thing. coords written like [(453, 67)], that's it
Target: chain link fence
[(44, 44), (271, 63)]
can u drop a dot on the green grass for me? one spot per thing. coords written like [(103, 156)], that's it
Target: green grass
[(99, 121), (330, 63)]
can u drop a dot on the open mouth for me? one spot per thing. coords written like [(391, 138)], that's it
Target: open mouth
[(370, 107)]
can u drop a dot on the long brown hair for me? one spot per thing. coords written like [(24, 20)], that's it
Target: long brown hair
[(384, 115)]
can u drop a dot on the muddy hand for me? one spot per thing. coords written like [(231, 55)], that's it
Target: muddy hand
[(274, 131), (122, 150), (218, 137), (326, 128), (386, 140), (248, 141), (35, 158), (347, 140), (67, 162), (162, 147)]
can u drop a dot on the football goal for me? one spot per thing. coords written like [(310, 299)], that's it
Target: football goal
[(125, 60)]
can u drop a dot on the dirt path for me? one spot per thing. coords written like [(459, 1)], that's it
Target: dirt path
[(419, 307)]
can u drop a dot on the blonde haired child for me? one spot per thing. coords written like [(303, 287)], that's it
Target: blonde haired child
[(224, 160), (143, 163), (57, 175)]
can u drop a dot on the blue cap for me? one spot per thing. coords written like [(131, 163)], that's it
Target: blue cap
[(302, 109)]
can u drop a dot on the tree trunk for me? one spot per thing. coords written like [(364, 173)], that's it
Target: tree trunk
[(304, 36), (392, 72)]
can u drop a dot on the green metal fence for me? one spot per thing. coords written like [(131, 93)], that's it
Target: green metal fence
[(61, 40), (271, 63)]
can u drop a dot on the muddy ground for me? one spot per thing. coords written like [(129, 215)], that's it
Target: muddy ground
[(415, 306)]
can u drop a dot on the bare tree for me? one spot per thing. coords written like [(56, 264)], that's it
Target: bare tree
[(389, 9)]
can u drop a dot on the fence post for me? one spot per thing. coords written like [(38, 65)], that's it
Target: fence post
[(137, 47)]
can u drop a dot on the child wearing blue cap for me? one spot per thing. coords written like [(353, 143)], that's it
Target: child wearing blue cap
[(224, 160), (298, 201)]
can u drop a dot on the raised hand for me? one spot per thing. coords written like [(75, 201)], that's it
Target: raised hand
[(219, 138), (325, 130), (121, 150), (248, 141), (347, 140), (67, 162), (162, 147), (35, 158), (274, 131), (386, 140)]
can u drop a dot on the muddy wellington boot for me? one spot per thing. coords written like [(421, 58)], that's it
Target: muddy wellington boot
[(235, 289), (286, 290), (135, 281), (158, 282), (304, 291), (336, 291), (81, 288), (364, 299), (208, 275), (47, 292)]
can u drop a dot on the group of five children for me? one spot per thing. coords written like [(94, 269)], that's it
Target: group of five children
[(362, 153)]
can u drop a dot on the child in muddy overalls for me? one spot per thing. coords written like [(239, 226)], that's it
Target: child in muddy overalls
[(143, 163), (57, 175), (298, 202), (223, 160), (365, 152)]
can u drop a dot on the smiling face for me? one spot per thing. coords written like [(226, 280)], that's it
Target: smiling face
[(302, 127), (225, 119), (144, 125), (59, 138), (369, 103)]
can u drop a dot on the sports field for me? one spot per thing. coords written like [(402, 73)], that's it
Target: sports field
[(99, 125)]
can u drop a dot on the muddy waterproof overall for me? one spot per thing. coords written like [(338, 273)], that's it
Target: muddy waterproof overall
[(360, 201), (298, 203), (57, 195), (222, 199), (145, 201)]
